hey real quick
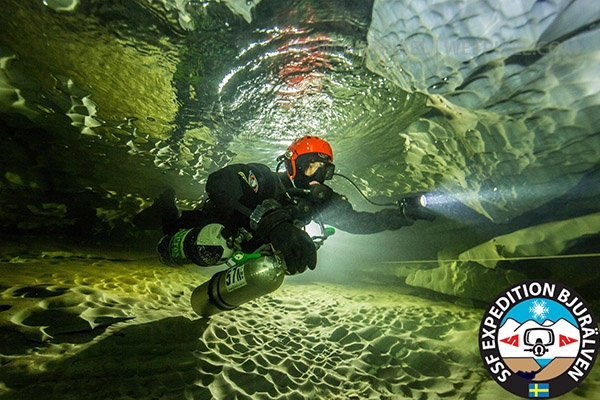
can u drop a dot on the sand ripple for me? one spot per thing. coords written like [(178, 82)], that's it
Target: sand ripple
[(123, 329)]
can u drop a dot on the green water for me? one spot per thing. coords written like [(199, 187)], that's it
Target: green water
[(104, 105)]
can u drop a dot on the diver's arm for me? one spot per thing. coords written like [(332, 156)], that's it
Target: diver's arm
[(237, 189), (225, 191), (338, 212)]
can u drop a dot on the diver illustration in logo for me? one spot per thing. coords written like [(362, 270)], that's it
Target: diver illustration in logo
[(538, 338)]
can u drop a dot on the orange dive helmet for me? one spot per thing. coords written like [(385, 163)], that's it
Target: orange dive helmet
[(309, 149)]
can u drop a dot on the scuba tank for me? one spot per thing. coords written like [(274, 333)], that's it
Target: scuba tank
[(204, 246), (249, 276)]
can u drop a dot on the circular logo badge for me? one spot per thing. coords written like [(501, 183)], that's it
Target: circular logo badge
[(538, 338)]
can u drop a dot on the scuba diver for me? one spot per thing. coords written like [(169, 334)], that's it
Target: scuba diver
[(253, 220)]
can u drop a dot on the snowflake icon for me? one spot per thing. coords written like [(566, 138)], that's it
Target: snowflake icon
[(539, 309)]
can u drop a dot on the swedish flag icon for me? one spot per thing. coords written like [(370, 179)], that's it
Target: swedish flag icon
[(539, 390)]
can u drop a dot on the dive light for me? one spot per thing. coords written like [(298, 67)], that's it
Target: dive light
[(415, 207)]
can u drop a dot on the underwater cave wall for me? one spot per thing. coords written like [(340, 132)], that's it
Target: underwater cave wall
[(515, 92)]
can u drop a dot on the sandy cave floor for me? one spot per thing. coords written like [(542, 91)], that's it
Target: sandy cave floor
[(99, 328)]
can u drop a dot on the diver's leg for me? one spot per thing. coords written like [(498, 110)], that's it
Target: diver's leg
[(191, 219), (162, 213), (204, 215)]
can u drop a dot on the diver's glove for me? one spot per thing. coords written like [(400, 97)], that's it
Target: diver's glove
[(392, 219), (320, 193), (275, 225), (297, 248)]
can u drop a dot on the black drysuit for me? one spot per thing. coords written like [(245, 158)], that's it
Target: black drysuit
[(236, 190)]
